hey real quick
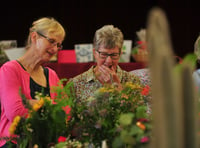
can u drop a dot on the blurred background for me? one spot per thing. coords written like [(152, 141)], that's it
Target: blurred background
[(81, 18)]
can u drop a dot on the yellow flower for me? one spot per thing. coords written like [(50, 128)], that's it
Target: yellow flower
[(107, 89), (14, 124), (12, 129), (111, 90), (132, 86), (17, 119), (41, 102), (38, 105), (102, 90), (47, 98)]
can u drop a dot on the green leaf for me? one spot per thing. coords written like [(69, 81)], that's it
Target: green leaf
[(141, 112), (135, 130), (135, 50), (126, 119), (127, 138)]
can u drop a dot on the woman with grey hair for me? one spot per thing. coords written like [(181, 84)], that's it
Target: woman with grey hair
[(107, 47)]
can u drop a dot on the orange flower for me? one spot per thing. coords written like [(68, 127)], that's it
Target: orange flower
[(140, 125), (125, 96)]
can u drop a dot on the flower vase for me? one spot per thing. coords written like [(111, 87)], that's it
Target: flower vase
[(141, 56)]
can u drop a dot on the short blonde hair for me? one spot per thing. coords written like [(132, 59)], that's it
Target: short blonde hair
[(197, 48), (46, 25)]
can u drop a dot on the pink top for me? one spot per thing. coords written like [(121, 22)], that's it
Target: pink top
[(12, 78)]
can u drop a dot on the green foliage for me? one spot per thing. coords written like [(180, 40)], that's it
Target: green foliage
[(190, 60), (115, 115), (46, 121), (135, 128), (105, 116)]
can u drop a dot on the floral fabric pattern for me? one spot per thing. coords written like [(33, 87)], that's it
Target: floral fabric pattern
[(144, 75), (86, 84)]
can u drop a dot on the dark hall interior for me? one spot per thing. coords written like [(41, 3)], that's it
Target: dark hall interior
[(81, 18)]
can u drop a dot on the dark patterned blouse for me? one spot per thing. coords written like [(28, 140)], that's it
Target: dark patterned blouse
[(86, 83)]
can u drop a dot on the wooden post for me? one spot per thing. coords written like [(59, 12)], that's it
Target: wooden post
[(174, 107)]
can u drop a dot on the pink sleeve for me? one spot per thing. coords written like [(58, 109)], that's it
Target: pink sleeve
[(53, 80), (11, 100)]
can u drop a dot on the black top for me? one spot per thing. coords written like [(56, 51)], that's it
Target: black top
[(34, 87), (38, 88)]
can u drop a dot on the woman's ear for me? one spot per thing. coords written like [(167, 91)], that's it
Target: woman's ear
[(94, 53), (33, 36)]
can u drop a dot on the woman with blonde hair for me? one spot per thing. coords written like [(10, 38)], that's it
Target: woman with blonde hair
[(26, 75)]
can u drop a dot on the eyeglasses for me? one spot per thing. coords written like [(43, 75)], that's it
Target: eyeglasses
[(104, 55), (52, 41)]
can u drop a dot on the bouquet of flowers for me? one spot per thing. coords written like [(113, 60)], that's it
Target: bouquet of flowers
[(46, 122), (116, 116), (119, 117), (140, 51)]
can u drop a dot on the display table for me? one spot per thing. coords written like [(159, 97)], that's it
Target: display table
[(69, 70)]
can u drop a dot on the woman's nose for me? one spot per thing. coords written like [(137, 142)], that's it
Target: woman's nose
[(109, 59)]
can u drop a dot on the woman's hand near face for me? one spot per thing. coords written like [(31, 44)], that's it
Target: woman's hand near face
[(107, 75)]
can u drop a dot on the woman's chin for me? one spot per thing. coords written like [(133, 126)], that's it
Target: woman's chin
[(47, 59)]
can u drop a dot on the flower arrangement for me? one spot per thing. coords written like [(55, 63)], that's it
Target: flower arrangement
[(140, 52), (46, 121), (117, 116), (112, 113)]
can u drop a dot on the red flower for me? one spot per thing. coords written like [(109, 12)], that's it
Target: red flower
[(61, 139), (143, 120), (68, 118), (67, 109), (144, 139), (140, 42), (145, 90)]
